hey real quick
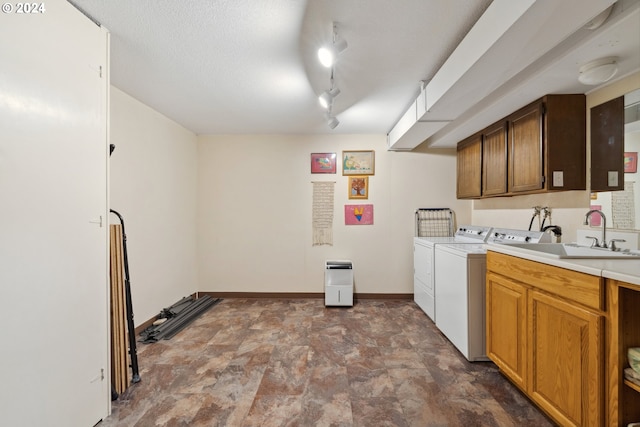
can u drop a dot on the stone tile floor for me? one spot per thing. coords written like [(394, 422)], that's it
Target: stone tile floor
[(294, 362)]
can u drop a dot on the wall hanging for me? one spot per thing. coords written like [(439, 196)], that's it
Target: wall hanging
[(358, 162), (630, 161), (358, 214), (322, 213), (323, 162), (358, 187)]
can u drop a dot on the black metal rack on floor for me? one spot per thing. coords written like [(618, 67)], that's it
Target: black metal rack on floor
[(178, 316)]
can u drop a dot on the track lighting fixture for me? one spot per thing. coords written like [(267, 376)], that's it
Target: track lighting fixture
[(332, 121), (326, 98), (327, 54)]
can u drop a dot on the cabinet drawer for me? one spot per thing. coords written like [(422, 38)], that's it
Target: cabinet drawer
[(579, 287)]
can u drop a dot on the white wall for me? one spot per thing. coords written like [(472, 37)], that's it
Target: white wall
[(254, 215), (567, 211), (153, 186)]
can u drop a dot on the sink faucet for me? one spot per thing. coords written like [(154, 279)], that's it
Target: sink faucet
[(604, 226)]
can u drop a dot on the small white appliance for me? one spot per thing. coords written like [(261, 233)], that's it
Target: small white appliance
[(338, 283), (460, 288), (424, 265)]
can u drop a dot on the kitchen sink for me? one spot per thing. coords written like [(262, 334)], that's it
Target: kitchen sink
[(574, 251)]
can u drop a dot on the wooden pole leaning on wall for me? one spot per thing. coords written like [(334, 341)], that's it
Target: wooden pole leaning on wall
[(119, 363)]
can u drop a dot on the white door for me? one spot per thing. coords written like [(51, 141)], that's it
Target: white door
[(53, 196)]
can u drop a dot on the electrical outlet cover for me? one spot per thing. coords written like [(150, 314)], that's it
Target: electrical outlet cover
[(558, 179)]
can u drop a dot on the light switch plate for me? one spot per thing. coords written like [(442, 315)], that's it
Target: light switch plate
[(558, 178), (612, 178)]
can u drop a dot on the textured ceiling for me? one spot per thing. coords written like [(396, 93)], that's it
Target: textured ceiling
[(247, 66), (250, 66)]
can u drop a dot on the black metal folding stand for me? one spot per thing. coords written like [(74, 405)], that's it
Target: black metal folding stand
[(133, 352)]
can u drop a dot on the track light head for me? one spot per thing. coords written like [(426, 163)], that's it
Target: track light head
[(327, 54), (326, 98), (332, 121)]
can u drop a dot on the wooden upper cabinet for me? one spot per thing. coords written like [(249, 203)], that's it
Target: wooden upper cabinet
[(607, 146), (494, 160), (525, 148), (539, 148), (565, 142), (547, 145), (469, 164)]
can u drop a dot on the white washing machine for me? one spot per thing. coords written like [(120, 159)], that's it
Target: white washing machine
[(424, 266), (460, 289)]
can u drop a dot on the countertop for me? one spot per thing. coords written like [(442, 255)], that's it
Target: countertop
[(626, 270)]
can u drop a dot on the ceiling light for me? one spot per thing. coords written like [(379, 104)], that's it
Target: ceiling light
[(597, 22), (598, 71), (328, 54), (326, 98), (332, 122)]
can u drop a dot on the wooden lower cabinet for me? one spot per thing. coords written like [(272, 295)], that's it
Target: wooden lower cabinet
[(548, 345), (565, 360), (507, 327), (623, 330)]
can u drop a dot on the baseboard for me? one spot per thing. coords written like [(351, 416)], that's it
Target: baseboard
[(296, 295), (252, 295), (280, 295), (383, 296), (145, 325)]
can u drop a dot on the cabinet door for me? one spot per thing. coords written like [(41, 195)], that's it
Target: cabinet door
[(565, 374), (623, 331), (469, 164), (506, 327), (494, 160), (565, 142), (423, 278), (525, 150), (607, 146), (54, 245)]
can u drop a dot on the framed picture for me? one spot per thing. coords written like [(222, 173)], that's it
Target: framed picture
[(323, 162), (358, 162), (358, 214), (595, 220), (358, 187), (630, 161)]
